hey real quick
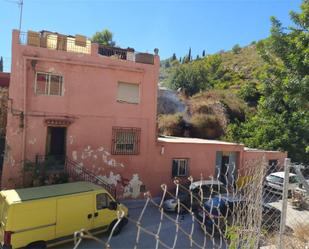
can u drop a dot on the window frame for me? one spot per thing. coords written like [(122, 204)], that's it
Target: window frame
[(47, 84), (178, 160), (125, 101), (108, 201), (136, 140)]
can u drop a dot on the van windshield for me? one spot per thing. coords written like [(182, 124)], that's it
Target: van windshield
[(276, 179)]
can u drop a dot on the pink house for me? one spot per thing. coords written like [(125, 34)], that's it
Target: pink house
[(94, 107)]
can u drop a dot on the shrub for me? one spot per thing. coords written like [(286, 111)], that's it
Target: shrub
[(236, 49), (206, 126), (171, 124)]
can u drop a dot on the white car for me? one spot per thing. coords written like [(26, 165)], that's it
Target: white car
[(210, 188), (274, 182)]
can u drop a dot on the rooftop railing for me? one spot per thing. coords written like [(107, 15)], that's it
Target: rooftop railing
[(56, 41), (81, 44)]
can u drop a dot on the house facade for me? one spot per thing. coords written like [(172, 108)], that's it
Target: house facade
[(96, 106)]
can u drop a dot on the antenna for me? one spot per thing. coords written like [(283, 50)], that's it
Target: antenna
[(20, 4)]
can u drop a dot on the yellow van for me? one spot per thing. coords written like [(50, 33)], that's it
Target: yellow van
[(44, 216)]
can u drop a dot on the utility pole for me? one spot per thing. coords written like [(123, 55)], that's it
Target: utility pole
[(287, 163)]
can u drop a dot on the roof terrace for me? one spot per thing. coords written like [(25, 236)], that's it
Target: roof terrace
[(81, 44)]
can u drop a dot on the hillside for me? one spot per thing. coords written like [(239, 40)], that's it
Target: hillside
[(245, 65), (257, 95), (226, 92)]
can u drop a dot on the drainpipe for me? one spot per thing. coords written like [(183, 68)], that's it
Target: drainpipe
[(23, 157)]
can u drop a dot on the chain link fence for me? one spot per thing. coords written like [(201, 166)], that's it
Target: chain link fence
[(251, 209)]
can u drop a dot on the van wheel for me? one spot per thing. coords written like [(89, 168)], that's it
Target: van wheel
[(117, 228), (37, 245)]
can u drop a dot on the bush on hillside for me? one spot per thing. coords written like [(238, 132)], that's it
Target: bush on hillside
[(206, 126), (233, 106), (171, 124), (236, 49)]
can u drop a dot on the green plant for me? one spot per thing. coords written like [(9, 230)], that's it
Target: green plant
[(236, 49), (238, 239)]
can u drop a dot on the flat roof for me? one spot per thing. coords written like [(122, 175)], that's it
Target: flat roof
[(35, 193), (189, 140), (261, 150)]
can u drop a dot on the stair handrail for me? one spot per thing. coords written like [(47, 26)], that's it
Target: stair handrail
[(97, 180)]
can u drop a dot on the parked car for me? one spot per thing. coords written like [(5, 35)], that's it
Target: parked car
[(210, 188), (220, 210), (274, 182), (42, 216)]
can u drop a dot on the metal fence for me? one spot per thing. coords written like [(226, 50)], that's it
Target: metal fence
[(249, 213)]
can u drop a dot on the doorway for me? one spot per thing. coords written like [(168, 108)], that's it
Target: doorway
[(56, 143), (226, 168)]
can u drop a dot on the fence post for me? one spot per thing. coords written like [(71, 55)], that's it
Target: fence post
[(287, 163)]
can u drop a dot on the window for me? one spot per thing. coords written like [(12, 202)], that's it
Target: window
[(128, 92), (48, 84), (180, 167), (125, 141), (103, 201)]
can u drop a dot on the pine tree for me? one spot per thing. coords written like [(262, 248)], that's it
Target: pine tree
[(174, 57)]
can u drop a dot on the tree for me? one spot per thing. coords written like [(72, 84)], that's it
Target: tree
[(204, 53), (188, 57), (105, 37), (174, 57), (236, 49), (282, 120), (191, 78)]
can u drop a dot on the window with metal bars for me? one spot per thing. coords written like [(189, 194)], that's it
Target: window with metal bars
[(180, 167), (48, 84), (126, 141)]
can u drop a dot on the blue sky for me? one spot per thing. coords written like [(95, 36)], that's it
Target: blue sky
[(170, 25)]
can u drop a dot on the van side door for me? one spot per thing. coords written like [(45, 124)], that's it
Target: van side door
[(74, 213), (103, 216)]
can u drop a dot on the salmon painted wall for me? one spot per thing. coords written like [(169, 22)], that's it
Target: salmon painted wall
[(253, 157), (202, 159), (89, 102)]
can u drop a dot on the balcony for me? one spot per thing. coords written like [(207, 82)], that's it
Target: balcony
[(81, 44)]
